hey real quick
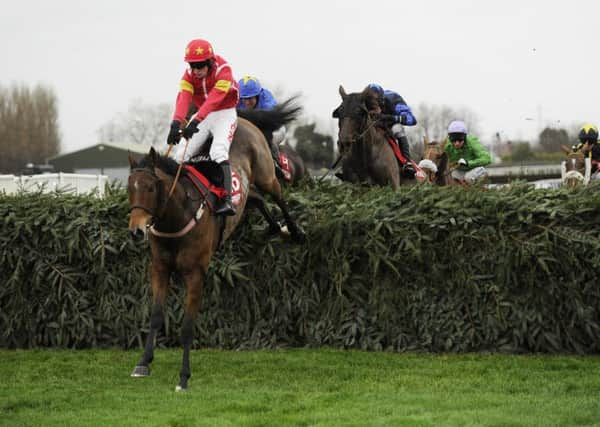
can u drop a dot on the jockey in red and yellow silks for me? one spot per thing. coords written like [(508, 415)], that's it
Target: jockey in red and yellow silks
[(210, 85)]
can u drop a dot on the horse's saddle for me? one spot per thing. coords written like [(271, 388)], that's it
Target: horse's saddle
[(207, 179)]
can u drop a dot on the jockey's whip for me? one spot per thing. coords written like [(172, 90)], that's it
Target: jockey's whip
[(187, 142), (332, 167)]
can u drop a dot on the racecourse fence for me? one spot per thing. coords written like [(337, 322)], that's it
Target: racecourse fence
[(423, 269)]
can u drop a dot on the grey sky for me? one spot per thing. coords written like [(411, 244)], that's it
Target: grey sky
[(507, 61)]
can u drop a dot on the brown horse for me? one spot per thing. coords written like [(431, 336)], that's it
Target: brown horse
[(366, 153), (184, 235), (434, 152), (575, 169)]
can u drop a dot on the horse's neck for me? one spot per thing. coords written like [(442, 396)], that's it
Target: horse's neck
[(174, 206)]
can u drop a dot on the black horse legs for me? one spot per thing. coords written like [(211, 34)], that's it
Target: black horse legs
[(187, 335), (156, 321)]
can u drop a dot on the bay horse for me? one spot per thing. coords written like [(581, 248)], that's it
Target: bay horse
[(183, 235), (365, 151), (575, 169)]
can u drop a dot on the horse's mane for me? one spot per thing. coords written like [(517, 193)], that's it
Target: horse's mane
[(271, 120), (164, 163)]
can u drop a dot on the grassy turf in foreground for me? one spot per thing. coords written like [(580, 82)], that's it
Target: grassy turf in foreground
[(298, 387)]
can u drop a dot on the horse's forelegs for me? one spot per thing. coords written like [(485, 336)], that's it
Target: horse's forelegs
[(187, 336), (156, 321), (159, 281), (194, 283)]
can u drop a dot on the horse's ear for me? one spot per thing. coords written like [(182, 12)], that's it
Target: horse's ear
[(132, 162), (366, 92), (343, 93), (565, 149), (153, 157), (443, 162)]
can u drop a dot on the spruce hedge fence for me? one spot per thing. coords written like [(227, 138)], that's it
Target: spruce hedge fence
[(421, 269)]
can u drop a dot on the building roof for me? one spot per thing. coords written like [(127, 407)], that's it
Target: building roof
[(101, 155)]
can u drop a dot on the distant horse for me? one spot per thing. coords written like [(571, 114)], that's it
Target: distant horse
[(434, 152), (575, 169), (184, 235), (292, 162), (367, 156)]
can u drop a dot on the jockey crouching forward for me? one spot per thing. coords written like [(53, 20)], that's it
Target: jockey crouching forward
[(397, 114), (467, 153), (254, 96), (209, 84)]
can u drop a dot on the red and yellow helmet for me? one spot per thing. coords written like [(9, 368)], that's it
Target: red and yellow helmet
[(198, 50)]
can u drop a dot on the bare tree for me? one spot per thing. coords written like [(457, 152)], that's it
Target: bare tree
[(29, 130), (433, 120), (143, 123)]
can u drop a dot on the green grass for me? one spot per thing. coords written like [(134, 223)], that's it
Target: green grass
[(298, 387)]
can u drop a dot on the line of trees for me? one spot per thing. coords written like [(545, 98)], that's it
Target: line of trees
[(29, 131)]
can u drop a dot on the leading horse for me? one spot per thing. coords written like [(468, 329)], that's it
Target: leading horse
[(183, 235), (366, 154)]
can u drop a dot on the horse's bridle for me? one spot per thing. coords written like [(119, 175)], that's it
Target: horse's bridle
[(155, 216), (364, 124), (142, 207)]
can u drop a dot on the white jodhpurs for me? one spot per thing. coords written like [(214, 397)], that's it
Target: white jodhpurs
[(469, 176), (221, 124)]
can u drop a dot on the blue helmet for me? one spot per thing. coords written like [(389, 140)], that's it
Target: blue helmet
[(376, 88), (249, 87)]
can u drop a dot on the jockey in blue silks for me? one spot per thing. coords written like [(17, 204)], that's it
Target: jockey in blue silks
[(254, 96), (398, 114)]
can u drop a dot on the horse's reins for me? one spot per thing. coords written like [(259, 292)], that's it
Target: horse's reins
[(193, 221)]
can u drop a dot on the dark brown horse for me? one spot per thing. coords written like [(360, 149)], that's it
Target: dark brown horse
[(184, 235), (295, 164), (366, 153)]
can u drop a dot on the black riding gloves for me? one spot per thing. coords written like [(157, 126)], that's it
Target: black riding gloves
[(191, 129), (174, 133)]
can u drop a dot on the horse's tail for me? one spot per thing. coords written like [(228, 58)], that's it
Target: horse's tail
[(269, 121)]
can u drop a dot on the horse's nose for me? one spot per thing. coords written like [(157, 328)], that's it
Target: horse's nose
[(136, 233)]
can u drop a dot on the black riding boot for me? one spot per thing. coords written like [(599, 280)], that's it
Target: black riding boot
[(224, 206), (407, 168)]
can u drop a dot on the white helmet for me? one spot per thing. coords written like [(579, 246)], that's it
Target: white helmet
[(457, 126)]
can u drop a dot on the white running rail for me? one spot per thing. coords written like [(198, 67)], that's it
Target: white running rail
[(71, 183)]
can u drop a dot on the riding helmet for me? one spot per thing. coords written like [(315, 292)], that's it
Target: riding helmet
[(198, 50), (589, 133), (249, 87), (377, 89), (457, 126)]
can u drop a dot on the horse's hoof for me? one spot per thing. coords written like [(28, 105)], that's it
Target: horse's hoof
[(140, 371), (178, 388)]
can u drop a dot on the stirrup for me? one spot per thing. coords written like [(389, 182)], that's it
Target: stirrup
[(224, 207)]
